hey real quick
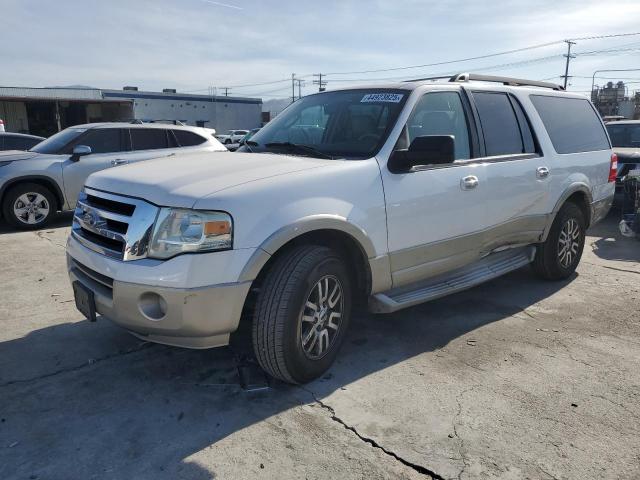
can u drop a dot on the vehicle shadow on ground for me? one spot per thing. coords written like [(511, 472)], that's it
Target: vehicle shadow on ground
[(142, 411), (61, 220), (610, 243)]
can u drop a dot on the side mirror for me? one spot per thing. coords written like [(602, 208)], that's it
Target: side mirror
[(424, 150), (80, 151)]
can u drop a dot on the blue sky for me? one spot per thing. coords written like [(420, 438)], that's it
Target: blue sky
[(191, 44)]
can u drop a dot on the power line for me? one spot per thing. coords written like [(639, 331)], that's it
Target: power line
[(479, 57)]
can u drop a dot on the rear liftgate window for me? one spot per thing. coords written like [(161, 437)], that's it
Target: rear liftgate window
[(572, 124)]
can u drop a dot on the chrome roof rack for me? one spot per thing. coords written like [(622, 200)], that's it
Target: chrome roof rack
[(475, 77), (144, 120)]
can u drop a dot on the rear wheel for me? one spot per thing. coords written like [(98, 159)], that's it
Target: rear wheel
[(28, 206), (558, 257), (302, 314)]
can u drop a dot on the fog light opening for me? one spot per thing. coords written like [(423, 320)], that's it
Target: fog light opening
[(152, 306)]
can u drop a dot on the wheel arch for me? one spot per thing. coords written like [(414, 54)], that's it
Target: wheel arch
[(328, 230), (577, 193), (42, 180)]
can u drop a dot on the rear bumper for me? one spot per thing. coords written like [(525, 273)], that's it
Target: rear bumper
[(600, 209)]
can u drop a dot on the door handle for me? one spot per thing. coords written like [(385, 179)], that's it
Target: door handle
[(118, 161), (542, 172), (468, 183)]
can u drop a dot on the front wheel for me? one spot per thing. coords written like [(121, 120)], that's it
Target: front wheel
[(302, 313), (558, 257), (28, 206)]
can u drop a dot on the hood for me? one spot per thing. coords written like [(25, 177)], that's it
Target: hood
[(13, 155), (181, 180), (628, 154)]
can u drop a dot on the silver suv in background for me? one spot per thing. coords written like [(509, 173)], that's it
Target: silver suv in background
[(35, 184)]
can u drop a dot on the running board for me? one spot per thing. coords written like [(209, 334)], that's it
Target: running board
[(490, 267)]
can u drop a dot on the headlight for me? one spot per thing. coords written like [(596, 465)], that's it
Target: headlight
[(180, 231)]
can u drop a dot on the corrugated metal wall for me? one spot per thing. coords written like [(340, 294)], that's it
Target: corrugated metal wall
[(14, 115)]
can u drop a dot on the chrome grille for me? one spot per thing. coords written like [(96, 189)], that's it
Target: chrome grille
[(113, 225)]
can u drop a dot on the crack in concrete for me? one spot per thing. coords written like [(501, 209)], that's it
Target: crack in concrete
[(43, 237), (418, 468), (461, 447), (620, 405), (89, 363), (612, 268)]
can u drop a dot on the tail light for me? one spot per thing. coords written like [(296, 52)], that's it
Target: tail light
[(613, 168)]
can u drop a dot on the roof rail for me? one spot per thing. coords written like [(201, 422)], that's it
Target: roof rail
[(427, 79), (471, 77), (161, 120), (514, 82)]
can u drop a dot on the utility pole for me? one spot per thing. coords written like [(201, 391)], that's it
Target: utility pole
[(293, 87), (321, 83), (569, 57), (226, 91), (300, 83)]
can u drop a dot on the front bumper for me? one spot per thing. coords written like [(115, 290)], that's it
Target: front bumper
[(198, 317)]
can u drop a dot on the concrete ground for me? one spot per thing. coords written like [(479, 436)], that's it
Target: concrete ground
[(517, 378)]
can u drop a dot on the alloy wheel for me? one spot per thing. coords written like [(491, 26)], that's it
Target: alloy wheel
[(31, 208), (569, 242), (321, 317)]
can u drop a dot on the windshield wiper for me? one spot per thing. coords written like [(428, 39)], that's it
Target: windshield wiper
[(300, 148)]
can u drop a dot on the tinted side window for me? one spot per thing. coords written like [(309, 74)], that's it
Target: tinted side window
[(17, 143), (441, 113), (102, 140), (188, 139), (528, 139), (499, 124), (572, 124), (148, 138)]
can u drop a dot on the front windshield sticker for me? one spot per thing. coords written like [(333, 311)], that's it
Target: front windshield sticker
[(382, 97)]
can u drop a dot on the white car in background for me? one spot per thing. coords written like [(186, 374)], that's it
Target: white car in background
[(233, 136), (35, 184)]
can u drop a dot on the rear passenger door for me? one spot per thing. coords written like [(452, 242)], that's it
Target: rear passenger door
[(517, 171)]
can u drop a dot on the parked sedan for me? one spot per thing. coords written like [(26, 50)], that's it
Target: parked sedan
[(18, 141)]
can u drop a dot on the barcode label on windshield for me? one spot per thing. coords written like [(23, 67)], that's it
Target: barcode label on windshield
[(382, 97)]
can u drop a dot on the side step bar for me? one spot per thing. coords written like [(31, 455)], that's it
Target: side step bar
[(490, 267)]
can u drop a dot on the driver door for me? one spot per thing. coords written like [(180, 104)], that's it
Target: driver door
[(436, 213), (107, 146)]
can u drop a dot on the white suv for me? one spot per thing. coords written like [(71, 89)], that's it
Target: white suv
[(232, 136), (47, 178), (397, 194)]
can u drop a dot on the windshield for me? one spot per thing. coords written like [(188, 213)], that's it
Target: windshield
[(54, 143), (349, 124), (625, 135)]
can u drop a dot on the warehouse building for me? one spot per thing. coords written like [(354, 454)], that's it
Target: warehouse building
[(45, 111)]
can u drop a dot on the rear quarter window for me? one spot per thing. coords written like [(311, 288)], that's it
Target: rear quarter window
[(572, 124), (188, 139)]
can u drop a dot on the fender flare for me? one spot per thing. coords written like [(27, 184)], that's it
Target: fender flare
[(304, 225), (573, 188), (38, 179)]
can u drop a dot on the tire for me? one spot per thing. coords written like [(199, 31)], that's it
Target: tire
[(37, 202), (552, 261), (282, 316), (227, 141)]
